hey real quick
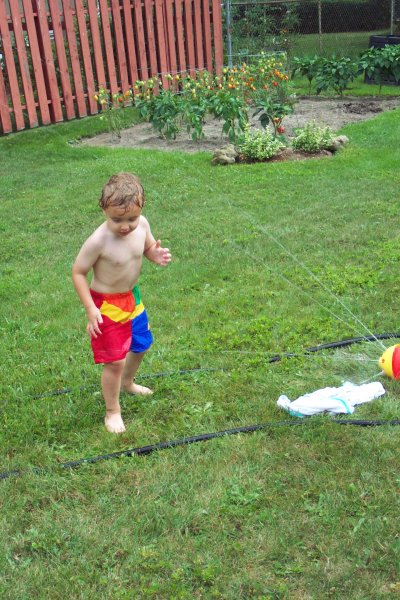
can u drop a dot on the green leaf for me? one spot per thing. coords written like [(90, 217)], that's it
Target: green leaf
[(264, 120)]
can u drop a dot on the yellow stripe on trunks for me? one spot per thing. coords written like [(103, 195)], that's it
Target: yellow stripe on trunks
[(120, 316), (139, 308)]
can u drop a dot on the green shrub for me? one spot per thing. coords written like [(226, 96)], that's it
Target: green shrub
[(335, 73), (259, 144), (381, 64), (313, 138), (306, 66)]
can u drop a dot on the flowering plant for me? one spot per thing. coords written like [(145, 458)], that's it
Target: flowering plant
[(110, 103), (178, 100), (313, 138), (259, 144)]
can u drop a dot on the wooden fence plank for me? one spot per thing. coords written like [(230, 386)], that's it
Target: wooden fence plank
[(170, 33), (36, 63), (5, 119), (96, 44), (150, 39), (180, 35), (217, 38), (119, 45), (107, 41), (207, 35), (130, 43), (188, 20), (19, 39), (108, 45), (141, 42), (198, 34), (74, 59), (63, 69), (46, 53), (11, 70), (86, 56), (161, 45)]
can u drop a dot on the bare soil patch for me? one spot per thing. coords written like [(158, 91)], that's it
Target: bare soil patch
[(333, 112)]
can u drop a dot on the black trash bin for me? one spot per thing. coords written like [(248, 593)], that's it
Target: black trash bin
[(380, 41)]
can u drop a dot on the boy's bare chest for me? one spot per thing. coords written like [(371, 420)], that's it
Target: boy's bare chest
[(119, 253)]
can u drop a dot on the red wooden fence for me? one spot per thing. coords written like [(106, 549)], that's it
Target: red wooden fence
[(55, 54)]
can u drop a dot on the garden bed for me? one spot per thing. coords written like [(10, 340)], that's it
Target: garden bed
[(288, 154), (333, 112)]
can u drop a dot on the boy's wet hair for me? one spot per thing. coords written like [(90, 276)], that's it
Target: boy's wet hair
[(122, 189)]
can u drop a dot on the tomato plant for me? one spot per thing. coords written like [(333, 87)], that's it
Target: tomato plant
[(187, 100)]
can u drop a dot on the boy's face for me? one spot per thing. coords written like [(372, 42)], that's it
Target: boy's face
[(122, 221)]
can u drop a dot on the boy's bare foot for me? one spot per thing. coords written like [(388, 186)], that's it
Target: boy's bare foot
[(134, 388), (114, 423)]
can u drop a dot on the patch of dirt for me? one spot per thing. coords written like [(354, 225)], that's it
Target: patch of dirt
[(333, 112)]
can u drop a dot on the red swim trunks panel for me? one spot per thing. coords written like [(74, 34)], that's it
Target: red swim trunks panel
[(116, 330)]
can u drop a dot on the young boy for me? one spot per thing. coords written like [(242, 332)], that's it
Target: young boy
[(117, 321)]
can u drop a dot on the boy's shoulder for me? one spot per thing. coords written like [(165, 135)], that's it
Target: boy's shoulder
[(143, 221), (98, 237)]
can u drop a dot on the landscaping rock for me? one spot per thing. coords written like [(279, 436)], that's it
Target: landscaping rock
[(342, 139), (338, 142), (224, 156)]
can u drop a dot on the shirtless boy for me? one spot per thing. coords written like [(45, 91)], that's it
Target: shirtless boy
[(114, 253)]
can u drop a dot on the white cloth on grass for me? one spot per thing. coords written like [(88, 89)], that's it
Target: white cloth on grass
[(333, 400)]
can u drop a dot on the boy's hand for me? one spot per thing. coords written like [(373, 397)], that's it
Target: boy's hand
[(94, 318), (161, 256)]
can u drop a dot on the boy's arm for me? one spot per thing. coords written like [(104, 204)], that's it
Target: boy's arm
[(85, 260), (153, 250)]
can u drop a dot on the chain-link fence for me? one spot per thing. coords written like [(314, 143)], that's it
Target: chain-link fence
[(306, 27)]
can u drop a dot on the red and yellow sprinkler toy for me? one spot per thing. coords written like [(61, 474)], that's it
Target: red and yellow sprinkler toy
[(390, 361)]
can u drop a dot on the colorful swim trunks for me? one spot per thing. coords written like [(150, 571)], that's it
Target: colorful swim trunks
[(141, 335), (117, 311)]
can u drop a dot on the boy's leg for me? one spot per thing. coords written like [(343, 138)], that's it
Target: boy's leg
[(111, 385), (132, 364), (141, 341)]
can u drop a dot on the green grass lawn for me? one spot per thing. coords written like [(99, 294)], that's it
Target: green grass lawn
[(358, 87), (341, 43), (306, 512)]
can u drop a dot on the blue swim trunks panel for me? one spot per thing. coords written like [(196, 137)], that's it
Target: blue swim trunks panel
[(142, 337)]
